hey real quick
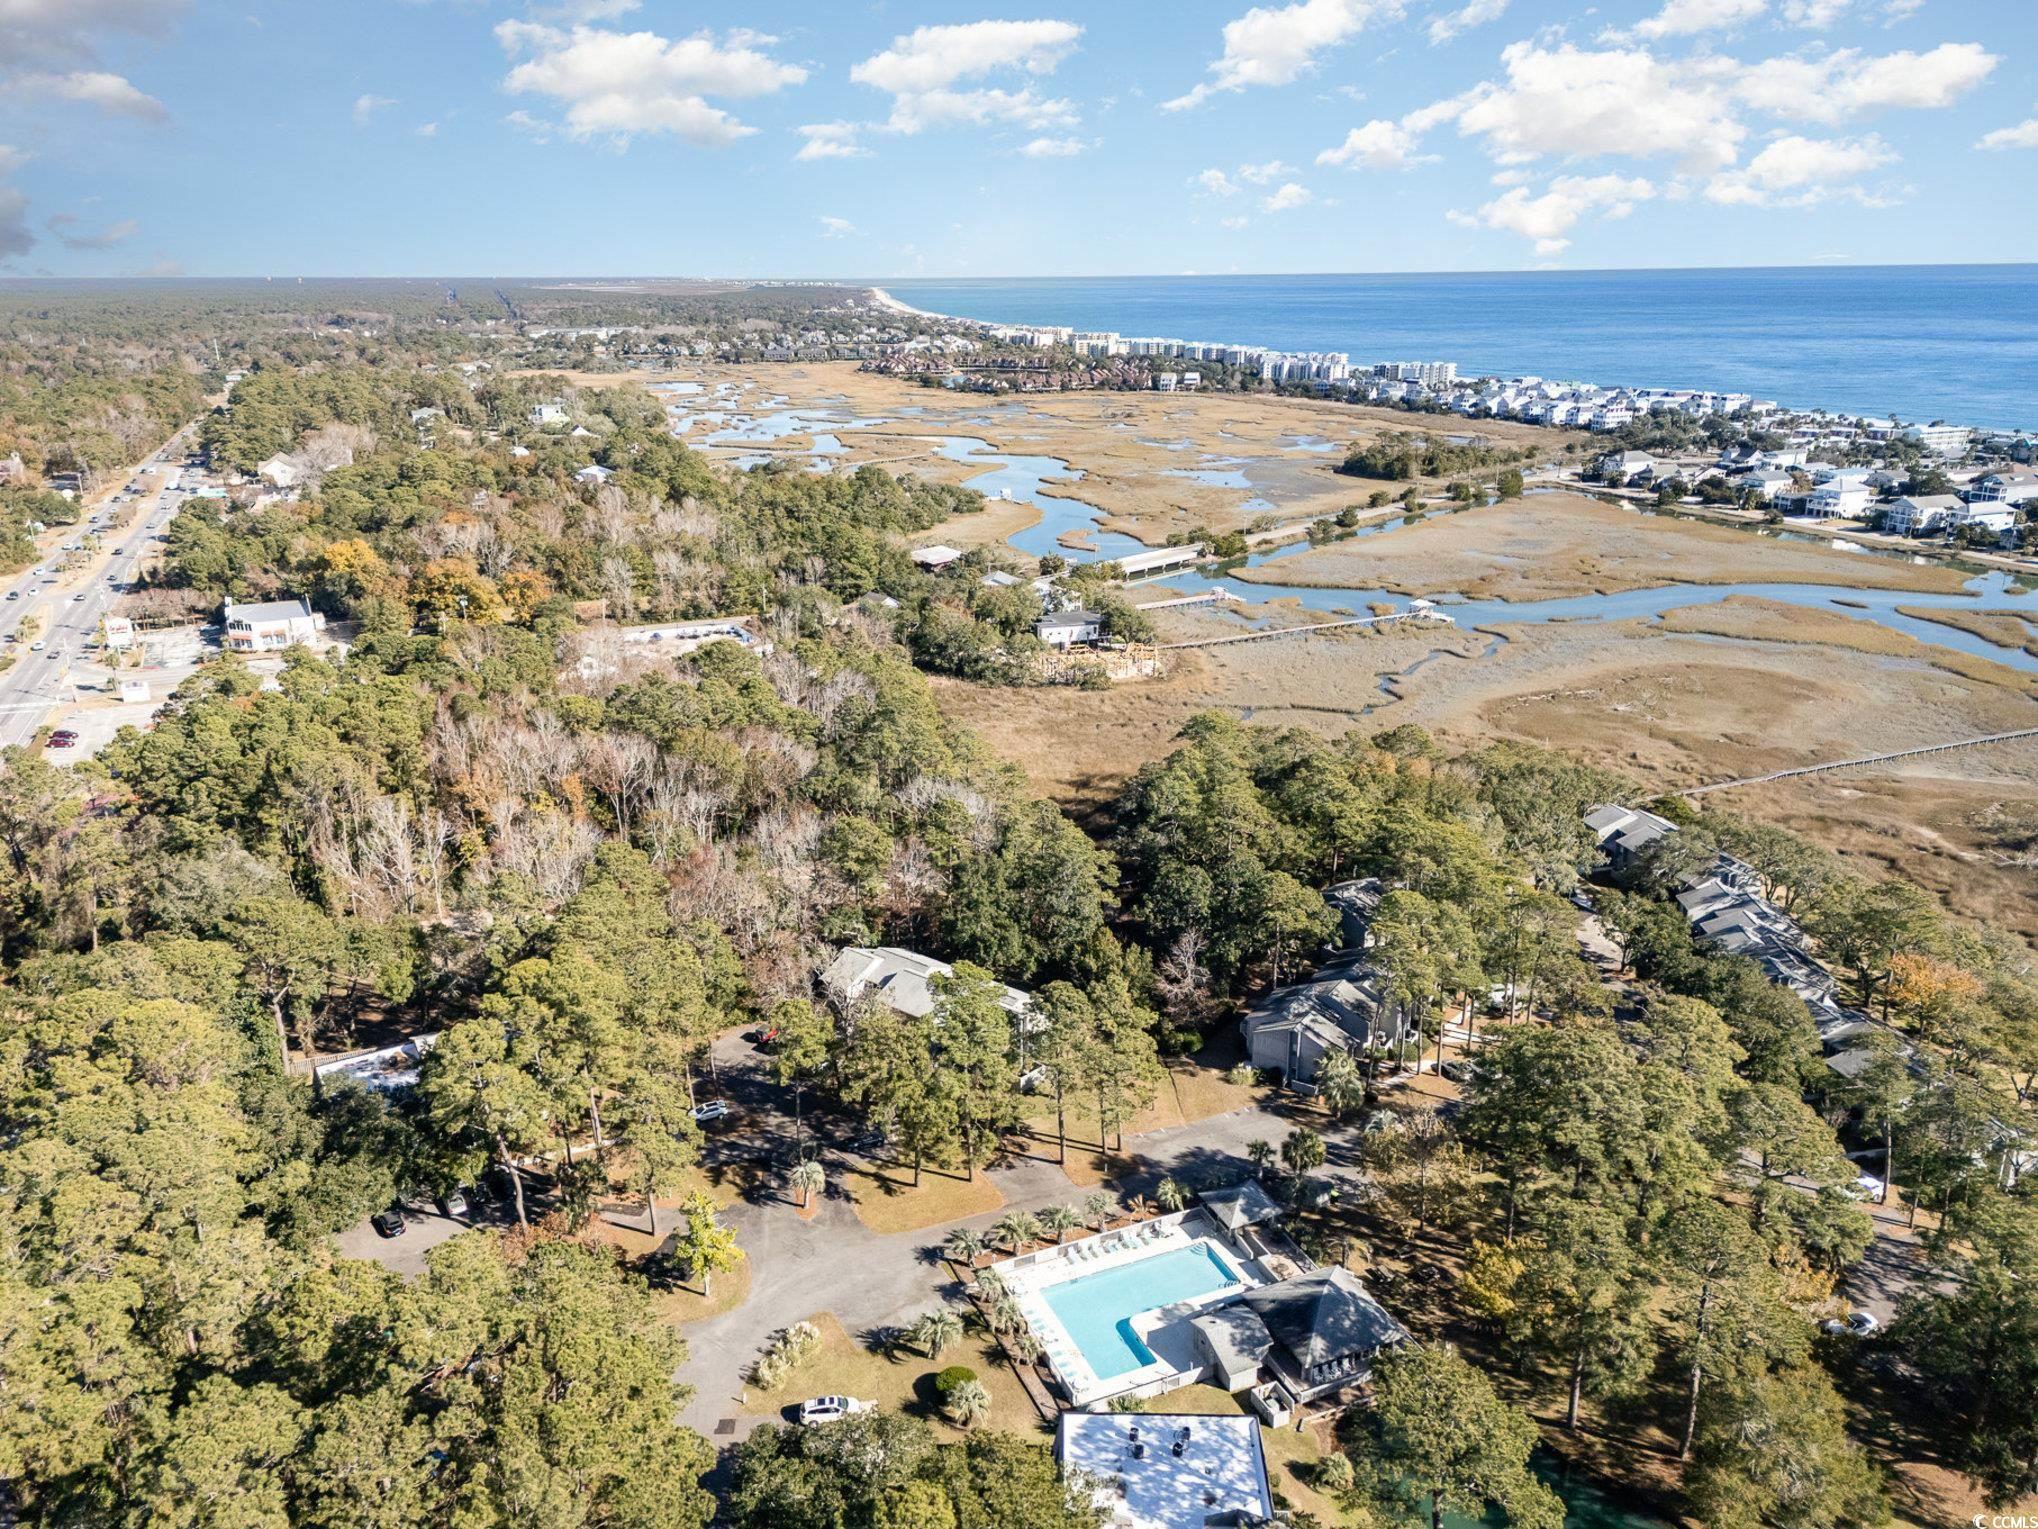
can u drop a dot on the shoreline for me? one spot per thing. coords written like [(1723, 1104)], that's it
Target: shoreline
[(886, 300)]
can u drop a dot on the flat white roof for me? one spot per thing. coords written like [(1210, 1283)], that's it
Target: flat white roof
[(1142, 1483)]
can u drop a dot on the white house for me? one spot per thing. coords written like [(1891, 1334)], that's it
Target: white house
[(593, 473), (1064, 629), (2018, 488), (937, 556), (269, 624), (280, 472), (904, 980), (1915, 514), (1839, 499), (548, 414)]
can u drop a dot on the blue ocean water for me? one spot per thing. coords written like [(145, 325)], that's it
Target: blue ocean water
[(1955, 343)]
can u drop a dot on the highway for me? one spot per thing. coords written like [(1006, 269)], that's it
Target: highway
[(39, 681)]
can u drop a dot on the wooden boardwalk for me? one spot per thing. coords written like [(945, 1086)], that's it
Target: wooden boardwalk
[(1431, 617), (1866, 759)]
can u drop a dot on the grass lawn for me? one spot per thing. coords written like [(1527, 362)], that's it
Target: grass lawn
[(684, 1303), (885, 1200), (1195, 1089), (898, 1377), (1291, 1456)]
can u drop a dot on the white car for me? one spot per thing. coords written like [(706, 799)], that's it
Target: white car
[(714, 1109), (829, 1409), (1856, 1324)]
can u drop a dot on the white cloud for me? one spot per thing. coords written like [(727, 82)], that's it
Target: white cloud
[(1548, 219), (2023, 136), (538, 128), (1686, 18), (836, 228), (110, 93), (1266, 174), (427, 130), (1275, 45), (1025, 108), (931, 58), (831, 140), (1815, 15), (1378, 145), (1289, 196), (1796, 172), (1236, 223), (104, 238), (615, 84), (1217, 183), (1847, 82), (921, 70), (63, 31), (1476, 14), (1054, 148), (365, 107), (1576, 103)]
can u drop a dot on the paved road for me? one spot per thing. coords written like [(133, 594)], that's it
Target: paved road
[(39, 682)]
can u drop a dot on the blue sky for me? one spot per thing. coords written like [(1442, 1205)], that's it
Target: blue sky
[(824, 138)]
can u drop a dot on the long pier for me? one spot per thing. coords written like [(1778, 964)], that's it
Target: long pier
[(1391, 618), (1866, 759)]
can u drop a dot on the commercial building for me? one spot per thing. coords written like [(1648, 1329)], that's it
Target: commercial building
[(267, 625)]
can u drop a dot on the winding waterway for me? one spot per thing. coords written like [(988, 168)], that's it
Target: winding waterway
[(1045, 482)]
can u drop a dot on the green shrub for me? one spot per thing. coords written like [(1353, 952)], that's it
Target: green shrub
[(946, 1381)]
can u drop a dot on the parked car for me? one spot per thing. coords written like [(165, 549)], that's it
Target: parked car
[(865, 1141), (1866, 1187), (1856, 1324), (37, 646), (828, 1409), (1460, 1071), (453, 1203), (389, 1223), (14, 594), (63, 738), (714, 1109)]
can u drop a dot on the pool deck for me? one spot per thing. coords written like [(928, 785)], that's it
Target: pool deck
[(1164, 1330)]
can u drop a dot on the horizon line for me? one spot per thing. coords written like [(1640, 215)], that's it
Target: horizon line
[(906, 279)]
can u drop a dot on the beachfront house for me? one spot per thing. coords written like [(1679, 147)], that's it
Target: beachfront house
[(1839, 499), (2012, 488), (937, 557), (1627, 465), (1168, 1471), (1915, 514)]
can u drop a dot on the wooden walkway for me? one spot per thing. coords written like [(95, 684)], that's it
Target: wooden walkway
[(1436, 617), (1866, 759)]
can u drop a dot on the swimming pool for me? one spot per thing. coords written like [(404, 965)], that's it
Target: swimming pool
[(1096, 1310)]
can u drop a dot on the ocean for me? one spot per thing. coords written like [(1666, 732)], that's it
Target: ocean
[(1956, 343)]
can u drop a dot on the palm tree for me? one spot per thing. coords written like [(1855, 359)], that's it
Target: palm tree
[(1170, 1194), (809, 1178), (969, 1403), (1097, 1209), (937, 1332), (1339, 1083), (990, 1285), (1060, 1220), (964, 1245), (1025, 1346), (1017, 1228), (1261, 1155), (1005, 1315), (1139, 1207)]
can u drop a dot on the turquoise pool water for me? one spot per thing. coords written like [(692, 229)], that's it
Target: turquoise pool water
[(1097, 1309)]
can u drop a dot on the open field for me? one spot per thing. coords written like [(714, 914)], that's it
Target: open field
[(1552, 545)]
